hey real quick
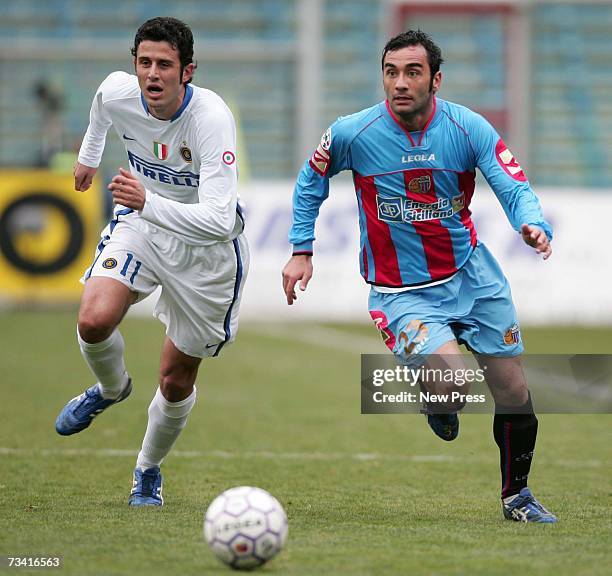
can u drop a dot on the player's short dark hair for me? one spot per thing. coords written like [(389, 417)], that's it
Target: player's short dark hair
[(414, 38), (168, 29)]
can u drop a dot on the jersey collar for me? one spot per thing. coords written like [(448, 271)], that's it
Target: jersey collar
[(405, 130), (184, 103)]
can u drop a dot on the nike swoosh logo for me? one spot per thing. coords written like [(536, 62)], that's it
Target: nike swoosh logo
[(128, 138), (212, 345)]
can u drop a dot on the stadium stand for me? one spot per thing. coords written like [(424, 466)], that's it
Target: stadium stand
[(246, 52), (572, 83)]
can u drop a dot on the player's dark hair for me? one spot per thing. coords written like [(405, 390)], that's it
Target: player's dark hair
[(171, 30), (414, 38)]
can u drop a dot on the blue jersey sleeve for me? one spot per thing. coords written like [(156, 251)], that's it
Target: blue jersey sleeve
[(506, 177), (312, 185)]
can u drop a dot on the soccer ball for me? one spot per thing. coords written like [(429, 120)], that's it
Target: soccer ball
[(245, 527)]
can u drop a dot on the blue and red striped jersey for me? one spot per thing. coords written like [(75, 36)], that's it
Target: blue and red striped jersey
[(413, 190)]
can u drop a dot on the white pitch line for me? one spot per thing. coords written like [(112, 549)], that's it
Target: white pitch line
[(325, 337), (269, 455), (226, 455)]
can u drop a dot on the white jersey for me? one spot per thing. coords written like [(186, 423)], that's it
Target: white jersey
[(187, 164)]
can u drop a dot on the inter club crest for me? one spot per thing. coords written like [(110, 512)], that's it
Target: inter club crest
[(109, 263), (160, 150), (185, 152)]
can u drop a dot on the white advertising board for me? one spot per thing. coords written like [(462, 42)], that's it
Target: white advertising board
[(572, 287)]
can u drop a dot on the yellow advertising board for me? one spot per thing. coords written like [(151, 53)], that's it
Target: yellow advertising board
[(48, 235)]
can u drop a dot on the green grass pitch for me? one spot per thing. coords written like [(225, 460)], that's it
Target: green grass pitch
[(281, 410)]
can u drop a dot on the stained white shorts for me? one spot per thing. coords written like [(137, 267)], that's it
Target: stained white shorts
[(201, 286)]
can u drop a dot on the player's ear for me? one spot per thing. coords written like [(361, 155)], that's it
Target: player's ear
[(188, 72), (437, 80)]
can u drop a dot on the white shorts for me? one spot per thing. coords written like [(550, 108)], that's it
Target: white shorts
[(201, 285)]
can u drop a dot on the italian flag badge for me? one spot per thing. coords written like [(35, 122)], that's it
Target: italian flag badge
[(160, 150)]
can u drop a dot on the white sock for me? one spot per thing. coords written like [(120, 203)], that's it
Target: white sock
[(105, 359), (166, 420)]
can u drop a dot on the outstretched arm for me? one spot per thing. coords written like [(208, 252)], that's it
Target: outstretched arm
[(299, 268), (535, 237), (90, 152), (311, 189), (509, 183)]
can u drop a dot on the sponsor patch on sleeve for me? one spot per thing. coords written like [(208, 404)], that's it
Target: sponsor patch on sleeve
[(320, 160), (508, 162)]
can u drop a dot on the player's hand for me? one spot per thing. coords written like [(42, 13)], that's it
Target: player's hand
[(127, 190), (83, 177), (535, 237), (299, 268)]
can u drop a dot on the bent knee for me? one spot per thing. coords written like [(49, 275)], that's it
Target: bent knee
[(453, 395), (452, 390), (96, 325), (103, 304), (176, 382)]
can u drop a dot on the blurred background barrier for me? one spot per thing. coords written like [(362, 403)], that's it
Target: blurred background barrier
[(572, 287), (47, 236)]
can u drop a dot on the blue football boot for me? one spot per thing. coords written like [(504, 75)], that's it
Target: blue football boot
[(146, 487), (445, 426), (81, 410), (525, 508)]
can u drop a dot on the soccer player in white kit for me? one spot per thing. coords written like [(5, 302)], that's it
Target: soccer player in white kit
[(177, 224)]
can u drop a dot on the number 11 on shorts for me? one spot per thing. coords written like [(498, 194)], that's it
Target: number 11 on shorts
[(126, 266)]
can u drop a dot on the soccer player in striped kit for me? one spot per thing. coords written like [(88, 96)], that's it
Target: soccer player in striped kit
[(177, 224), (434, 285)]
